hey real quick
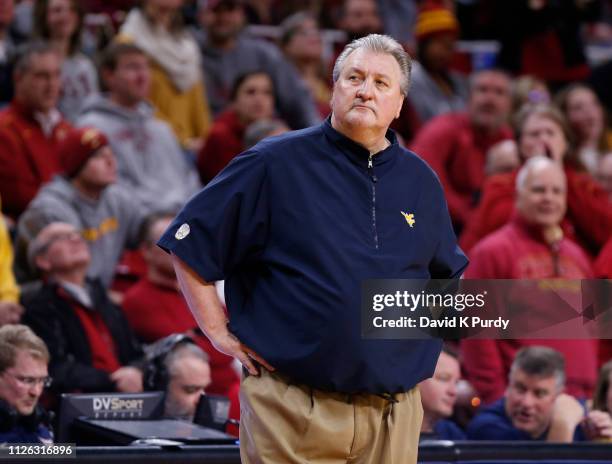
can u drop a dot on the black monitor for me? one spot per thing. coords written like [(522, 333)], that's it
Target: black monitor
[(115, 406), (212, 411)]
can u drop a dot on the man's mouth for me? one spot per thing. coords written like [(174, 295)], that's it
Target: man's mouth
[(363, 107)]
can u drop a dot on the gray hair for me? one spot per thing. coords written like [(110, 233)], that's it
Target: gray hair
[(183, 350), (379, 44), (533, 164), (26, 53), (540, 361)]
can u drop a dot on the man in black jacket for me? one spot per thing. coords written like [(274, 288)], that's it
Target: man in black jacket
[(92, 346)]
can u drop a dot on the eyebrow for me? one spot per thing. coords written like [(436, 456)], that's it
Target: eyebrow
[(361, 71)]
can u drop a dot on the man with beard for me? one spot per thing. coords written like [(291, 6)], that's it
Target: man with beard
[(455, 144)]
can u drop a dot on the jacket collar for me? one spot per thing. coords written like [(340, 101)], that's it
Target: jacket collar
[(358, 153)]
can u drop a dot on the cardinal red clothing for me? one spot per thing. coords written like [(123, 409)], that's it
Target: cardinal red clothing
[(603, 268), (603, 265), (223, 143), (456, 150), (154, 312), (101, 343), (28, 157), (588, 219), (517, 251)]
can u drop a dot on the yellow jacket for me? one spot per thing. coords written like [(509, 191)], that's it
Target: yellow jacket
[(9, 291), (187, 112)]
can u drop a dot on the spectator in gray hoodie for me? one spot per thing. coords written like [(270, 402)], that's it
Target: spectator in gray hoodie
[(150, 161), (107, 216), (228, 52)]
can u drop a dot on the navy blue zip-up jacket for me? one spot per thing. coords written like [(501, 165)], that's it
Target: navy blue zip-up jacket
[(294, 225)]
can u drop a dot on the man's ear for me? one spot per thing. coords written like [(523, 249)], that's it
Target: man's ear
[(399, 108), (42, 263)]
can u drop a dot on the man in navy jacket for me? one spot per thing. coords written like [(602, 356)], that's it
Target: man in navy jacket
[(294, 225)]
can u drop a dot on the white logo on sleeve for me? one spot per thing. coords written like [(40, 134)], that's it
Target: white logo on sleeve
[(182, 232)]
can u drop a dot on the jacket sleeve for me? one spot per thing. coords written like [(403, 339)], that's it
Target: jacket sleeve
[(494, 210), (434, 144), (589, 208), (17, 187), (226, 224), (449, 261)]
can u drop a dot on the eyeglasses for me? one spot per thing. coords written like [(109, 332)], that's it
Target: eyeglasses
[(33, 381)]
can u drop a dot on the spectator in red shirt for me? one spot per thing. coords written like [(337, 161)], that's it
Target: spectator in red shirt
[(155, 308), (530, 246), (455, 144), (31, 128), (252, 100)]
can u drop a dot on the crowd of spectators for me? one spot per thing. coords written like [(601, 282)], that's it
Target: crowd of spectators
[(105, 131)]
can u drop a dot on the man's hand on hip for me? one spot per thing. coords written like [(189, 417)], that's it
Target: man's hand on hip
[(226, 342)]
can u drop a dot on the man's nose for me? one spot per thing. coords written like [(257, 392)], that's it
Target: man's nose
[(365, 89)]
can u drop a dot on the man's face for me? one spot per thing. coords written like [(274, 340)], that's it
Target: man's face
[(541, 135), (38, 87), (542, 200), (22, 384), (223, 22), (306, 43), (367, 93), (65, 249), (130, 82), (439, 393), (439, 51), (255, 99), (530, 401), (361, 18), (191, 377), (490, 100), (101, 169)]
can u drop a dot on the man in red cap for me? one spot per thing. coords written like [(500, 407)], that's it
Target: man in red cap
[(30, 128), (107, 215)]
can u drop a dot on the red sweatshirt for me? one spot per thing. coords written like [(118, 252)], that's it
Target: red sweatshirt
[(588, 219), (28, 158), (453, 148), (224, 142), (517, 251)]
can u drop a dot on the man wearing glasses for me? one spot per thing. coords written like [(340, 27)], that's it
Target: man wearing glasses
[(23, 375)]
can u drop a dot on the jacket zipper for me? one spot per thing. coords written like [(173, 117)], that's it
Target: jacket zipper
[(374, 180)]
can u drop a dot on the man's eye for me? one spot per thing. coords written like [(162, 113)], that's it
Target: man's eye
[(381, 83)]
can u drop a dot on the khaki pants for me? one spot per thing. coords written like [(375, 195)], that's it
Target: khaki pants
[(284, 423)]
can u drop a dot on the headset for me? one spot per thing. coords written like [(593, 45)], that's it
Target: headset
[(155, 376)]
